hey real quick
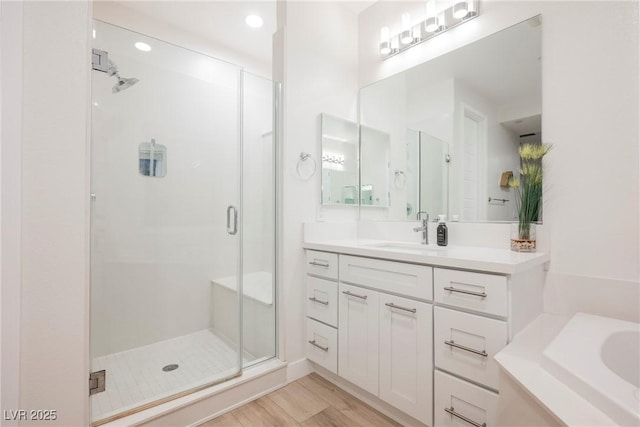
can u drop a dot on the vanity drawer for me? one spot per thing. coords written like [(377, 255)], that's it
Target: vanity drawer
[(322, 345), (322, 264), (457, 401), (465, 344), (322, 300), (486, 293), (407, 279)]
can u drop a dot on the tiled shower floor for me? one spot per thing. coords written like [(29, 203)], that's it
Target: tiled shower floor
[(135, 377)]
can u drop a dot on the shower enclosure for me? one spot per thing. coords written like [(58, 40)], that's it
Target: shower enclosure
[(182, 221)]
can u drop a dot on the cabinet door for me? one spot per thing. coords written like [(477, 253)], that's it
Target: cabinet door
[(358, 336), (406, 376)]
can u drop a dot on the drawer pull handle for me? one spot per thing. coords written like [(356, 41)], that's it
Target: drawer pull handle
[(392, 305), (354, 295), (463, 418), (469, 349), (319, 301), (313, 343), (462, 291), (319, 264)]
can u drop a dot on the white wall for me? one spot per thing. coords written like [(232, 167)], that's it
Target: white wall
[(319, 54), (10, 203), (590, 114), (55, 207)]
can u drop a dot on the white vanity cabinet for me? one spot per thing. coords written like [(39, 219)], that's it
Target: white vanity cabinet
[(322, 309), (385, 340), (421, 333), (476, 315)]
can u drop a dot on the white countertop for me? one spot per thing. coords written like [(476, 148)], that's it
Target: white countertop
[(522, 361), (492, 260)]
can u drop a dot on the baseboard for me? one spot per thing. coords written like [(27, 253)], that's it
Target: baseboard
[(298, 369)]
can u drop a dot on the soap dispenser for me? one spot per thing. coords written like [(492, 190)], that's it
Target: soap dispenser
[(442, 232)]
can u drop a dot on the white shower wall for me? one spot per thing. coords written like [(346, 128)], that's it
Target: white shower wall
[(157, 242)]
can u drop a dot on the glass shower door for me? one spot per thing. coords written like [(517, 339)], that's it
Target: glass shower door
[(165, 238)]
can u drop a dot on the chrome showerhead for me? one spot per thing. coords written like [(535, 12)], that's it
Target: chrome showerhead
[(123, 84)]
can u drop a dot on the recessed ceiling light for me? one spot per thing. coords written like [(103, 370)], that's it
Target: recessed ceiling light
[(254, 21), (142, 46)]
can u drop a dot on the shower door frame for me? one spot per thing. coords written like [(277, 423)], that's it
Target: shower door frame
[(239, 235)]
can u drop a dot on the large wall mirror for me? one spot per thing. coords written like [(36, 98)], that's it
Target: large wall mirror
[(454, 126)]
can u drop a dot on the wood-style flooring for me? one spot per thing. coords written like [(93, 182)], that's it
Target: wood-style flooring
[(311, 401)]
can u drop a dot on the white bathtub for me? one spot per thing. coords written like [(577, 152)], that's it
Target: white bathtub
[(599, 358)]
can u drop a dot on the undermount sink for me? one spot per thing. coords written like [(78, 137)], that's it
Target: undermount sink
[(407, 245)]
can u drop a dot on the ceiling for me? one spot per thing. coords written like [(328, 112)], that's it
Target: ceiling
[(219, 21), (223, 21)]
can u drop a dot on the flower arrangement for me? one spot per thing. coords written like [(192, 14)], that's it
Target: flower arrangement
[(528, 195)]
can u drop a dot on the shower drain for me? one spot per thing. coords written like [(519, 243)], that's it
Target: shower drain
[(170, 368)]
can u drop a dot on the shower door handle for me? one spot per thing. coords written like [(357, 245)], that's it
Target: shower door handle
[(232, 229)]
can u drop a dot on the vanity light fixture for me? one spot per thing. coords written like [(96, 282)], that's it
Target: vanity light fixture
[(436, 21)]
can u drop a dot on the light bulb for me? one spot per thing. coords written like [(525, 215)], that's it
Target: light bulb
[(460, 9), (431, 22)]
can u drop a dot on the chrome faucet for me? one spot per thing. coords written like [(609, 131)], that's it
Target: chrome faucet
[(424, 228)]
